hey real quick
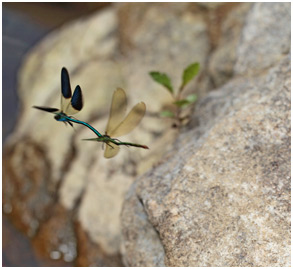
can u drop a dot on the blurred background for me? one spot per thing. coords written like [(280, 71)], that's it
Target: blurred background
[(23, 25)]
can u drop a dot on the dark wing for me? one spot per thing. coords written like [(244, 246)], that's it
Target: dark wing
[(76, 103), (65, 89), (47, 109)]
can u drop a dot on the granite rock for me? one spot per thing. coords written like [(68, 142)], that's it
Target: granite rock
[(221, 197)]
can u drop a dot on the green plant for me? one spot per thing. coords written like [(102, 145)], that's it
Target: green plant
[(179, 103)]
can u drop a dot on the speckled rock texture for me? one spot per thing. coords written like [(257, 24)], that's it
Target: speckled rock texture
[(221, 197), (214, 193)]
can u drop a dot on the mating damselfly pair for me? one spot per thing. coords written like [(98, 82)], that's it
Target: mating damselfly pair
[(118, 124)]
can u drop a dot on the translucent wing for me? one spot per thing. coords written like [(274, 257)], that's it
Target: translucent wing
[(65, 89), (130, 122), (76, 102), (111, 150), (117, 111)]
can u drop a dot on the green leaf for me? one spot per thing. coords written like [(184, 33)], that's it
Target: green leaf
[(191, 98), (189, 73), (181, 103), (167, 114), (162, 79), (186, 102)]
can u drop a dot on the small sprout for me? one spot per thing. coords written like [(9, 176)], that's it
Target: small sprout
[(167, 114), (162, 79), (189, 73), (182, 103), (187, 101)]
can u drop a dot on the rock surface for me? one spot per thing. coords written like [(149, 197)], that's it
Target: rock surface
[(219, 193), (222, 196)]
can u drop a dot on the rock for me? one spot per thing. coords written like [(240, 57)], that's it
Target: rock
[(271, 20), (222, 196), (181, 37), (55, 238), (91, 254), (28, 193), (223, 57), (141, 244)]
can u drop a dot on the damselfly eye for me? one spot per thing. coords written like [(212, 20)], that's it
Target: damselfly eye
[(57, 117)]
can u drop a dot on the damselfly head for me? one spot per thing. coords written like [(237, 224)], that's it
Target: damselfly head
[(57, 117)]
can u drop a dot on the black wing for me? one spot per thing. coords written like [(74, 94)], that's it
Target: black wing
[(47, 109), (76, 103), (65, 83), (65, 89)]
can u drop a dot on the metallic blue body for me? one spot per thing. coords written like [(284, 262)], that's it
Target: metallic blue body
[(63, 117)]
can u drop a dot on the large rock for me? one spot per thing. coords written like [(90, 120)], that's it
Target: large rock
[(221, 197)]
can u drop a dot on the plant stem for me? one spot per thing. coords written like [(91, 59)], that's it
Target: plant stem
[(178, 109)]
